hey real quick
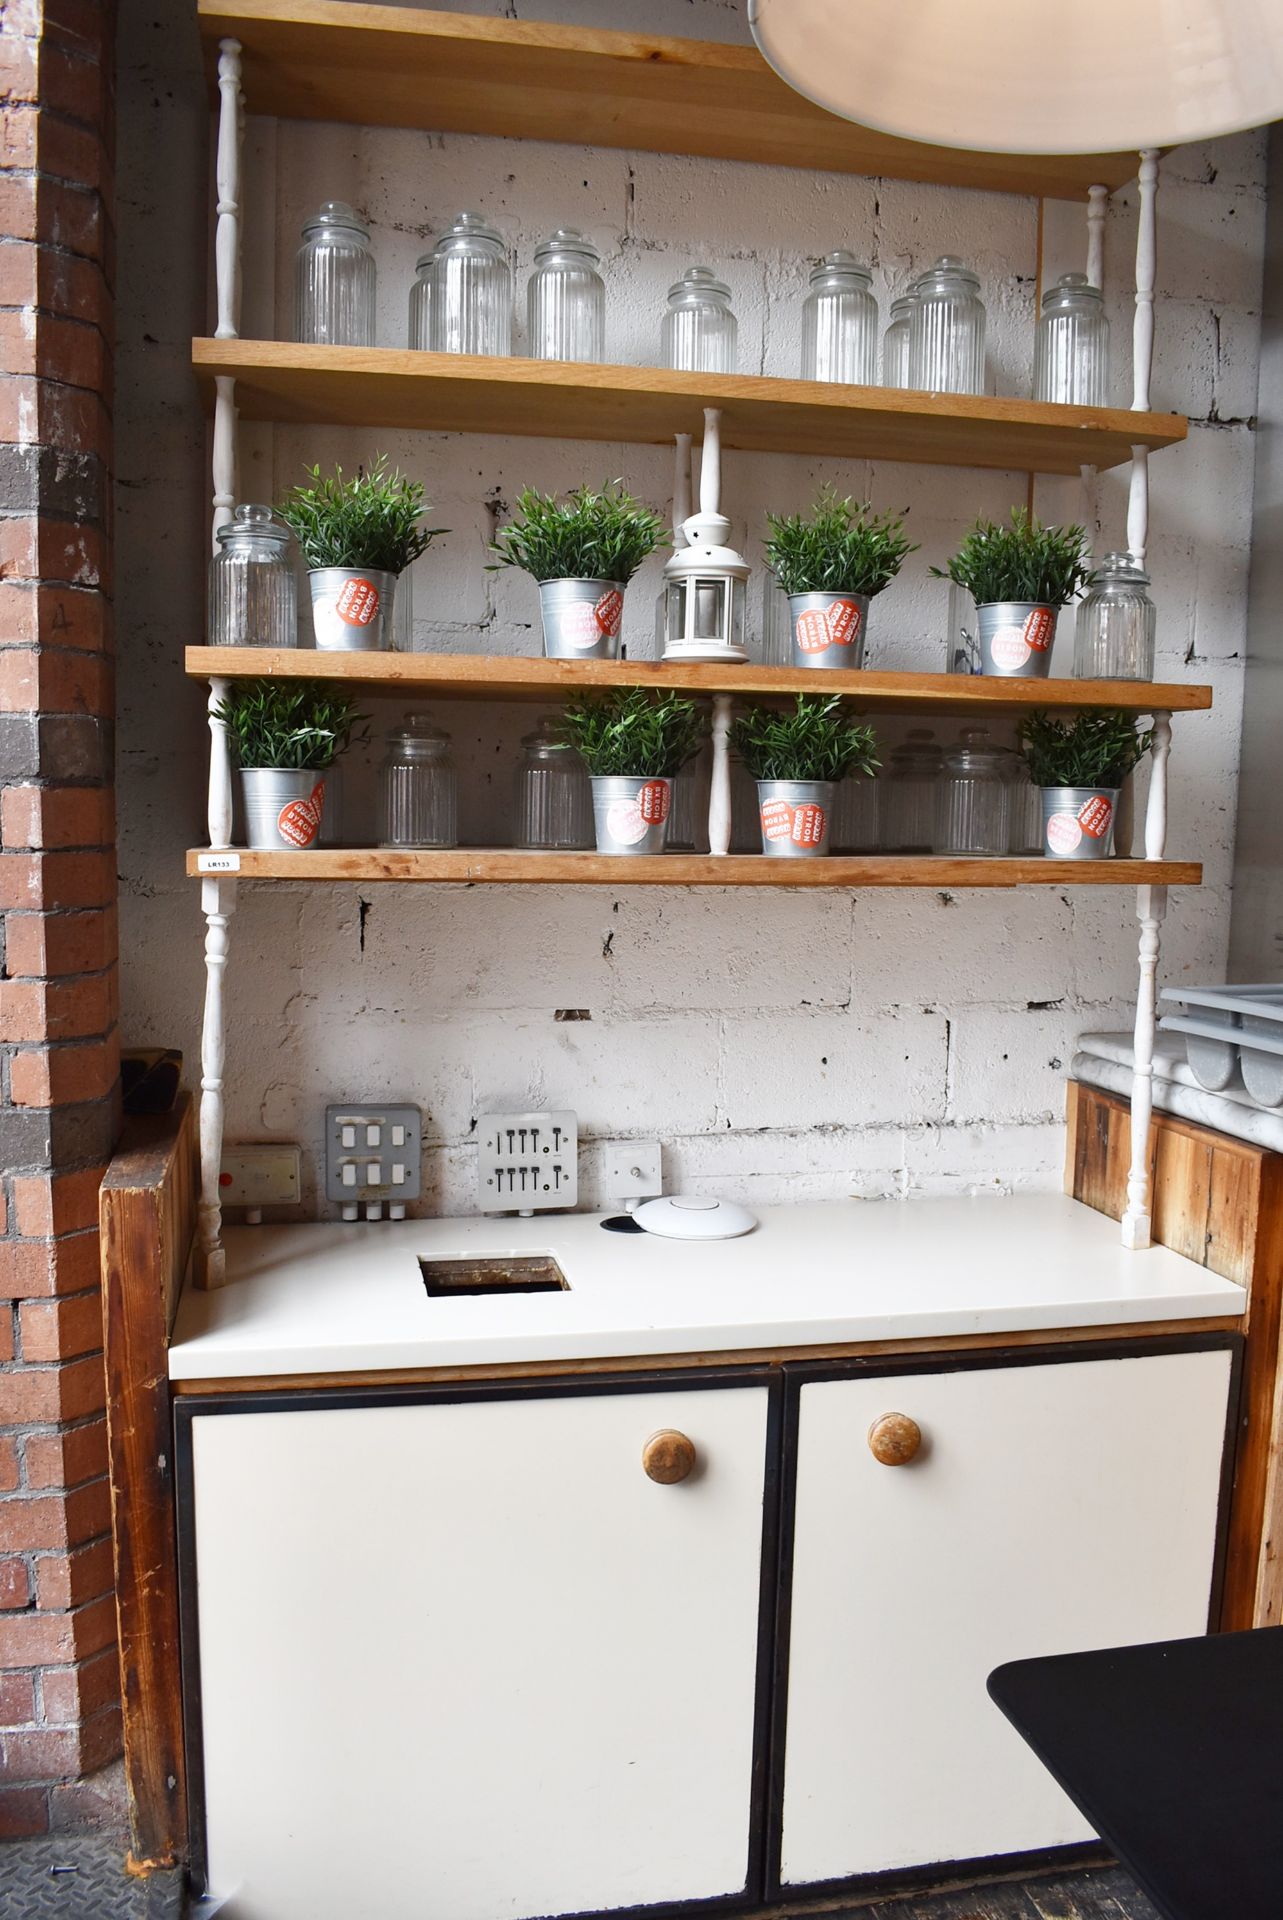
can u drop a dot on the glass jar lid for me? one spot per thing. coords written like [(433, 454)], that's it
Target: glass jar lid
[(1068, 290), (418, 739), (253, 522), (547, 738), (976, 754), (838, 267), (948, 275), (336, 214), (902, 306), (470, 233), (919, 753), (567, 240), (1119, 570), (699, 283)]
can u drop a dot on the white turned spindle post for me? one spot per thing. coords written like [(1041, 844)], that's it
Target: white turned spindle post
[(227, 176), (710, 465), (1097, 207), (719, 793), (218, 901), (224, 460), (219, 807), (1143, 349), (1151, 909)]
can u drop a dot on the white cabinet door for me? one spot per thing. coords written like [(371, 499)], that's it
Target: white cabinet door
[(467, 1662), (1053, 1507)]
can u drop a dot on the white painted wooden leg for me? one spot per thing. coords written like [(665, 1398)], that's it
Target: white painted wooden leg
[(1143, 349), (1097, 206), (220, 771), (1151, 909), (224, 461), (719, 796), (218, 901), (227, 178)]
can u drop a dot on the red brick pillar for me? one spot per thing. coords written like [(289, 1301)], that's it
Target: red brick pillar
[(59, 1053)]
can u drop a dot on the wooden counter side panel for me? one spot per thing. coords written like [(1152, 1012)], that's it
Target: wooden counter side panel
[(147, 1219), (1218, 1201)]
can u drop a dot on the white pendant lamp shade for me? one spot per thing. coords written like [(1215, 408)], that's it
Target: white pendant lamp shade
[(1033, 76)]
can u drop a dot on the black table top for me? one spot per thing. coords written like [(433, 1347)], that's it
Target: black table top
[(1174, 1752)]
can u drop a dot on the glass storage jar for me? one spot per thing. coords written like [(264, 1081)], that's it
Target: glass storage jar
[(554, 797), (253, 588), (418, 797), (1071, 350), (420, 329), (334, 280), (947, 330), (1115, 625), (1024, 807), (470, 290), (895, 343), (973, 799), (698, 331), (840, 322), (855, 815), (566, 300), (908, 801)]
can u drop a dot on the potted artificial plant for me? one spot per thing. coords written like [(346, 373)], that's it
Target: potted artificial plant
[(357, 536), (632, 743), (797, 758), (1080, 764), (583, 551), (830, 565), (1019, 576), (285, 735)]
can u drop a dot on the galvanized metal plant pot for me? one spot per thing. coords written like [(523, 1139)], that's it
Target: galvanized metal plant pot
[(352, 609), (631, 813), (1016, 638), (1078, 822), (828, 629), (796, 817), (283, 807), (581, 618)]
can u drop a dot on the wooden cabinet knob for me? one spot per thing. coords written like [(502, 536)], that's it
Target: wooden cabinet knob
[(894, 1439), (668, 1456)]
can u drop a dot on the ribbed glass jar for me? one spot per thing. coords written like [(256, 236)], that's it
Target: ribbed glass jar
[(973, 799), (907, 822), (253, 588), (566, 300), (1071, 350), (1024, 807), (698, 332), (895, 343), (947, 330), (840, 322), (470, 290), (418, 795), (334, 280), (420, 329), (855, 815), (1115, 627), (553, 794)]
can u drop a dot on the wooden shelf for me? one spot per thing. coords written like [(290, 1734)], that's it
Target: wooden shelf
[(458, 73), (482, 676), (396, 388), (506, 866)]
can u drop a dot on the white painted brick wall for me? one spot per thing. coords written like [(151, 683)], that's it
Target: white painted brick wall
[(779, 1046)]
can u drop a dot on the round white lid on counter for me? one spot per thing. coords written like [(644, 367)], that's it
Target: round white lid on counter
[(692, 1216)]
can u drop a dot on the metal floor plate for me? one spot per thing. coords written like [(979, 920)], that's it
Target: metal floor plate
[(81, 1877)]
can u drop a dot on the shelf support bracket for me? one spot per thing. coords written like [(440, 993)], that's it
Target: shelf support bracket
[(719, 793), (218, 902), (227, 171), (1151, 910), (1143, 349), (1097, 207)]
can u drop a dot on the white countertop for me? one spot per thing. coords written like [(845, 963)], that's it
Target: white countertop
[(336, 1299)]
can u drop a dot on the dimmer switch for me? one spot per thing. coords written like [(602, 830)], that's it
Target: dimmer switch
[(360, 1168), (527, 1162)]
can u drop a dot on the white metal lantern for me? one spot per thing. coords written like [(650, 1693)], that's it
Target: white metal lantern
[(705, 579)]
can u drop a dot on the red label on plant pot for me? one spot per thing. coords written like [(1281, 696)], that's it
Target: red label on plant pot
[(608, 613), (1040, 625), (652, 802), (1094, 816), (837, 625), (357, 602), (802, 825), (300, 821), (1063, 832), (628, 821), (1009, 648)]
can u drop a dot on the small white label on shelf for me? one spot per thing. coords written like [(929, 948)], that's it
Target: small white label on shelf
[(218, 863)]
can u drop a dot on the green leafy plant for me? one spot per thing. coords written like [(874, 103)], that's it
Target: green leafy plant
[(288, 723), (634, 733), (373, 520), (593, 534), (1022, 561), (1091, 750), (814, 740), (839, 548)]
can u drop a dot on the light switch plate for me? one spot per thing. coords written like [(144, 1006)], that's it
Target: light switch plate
[(372, 1154), (259, 1173), (527, 1162), (632, 1170)]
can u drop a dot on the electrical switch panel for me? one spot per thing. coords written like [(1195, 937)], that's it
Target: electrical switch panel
[(372, 1158), (527, 1162)]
